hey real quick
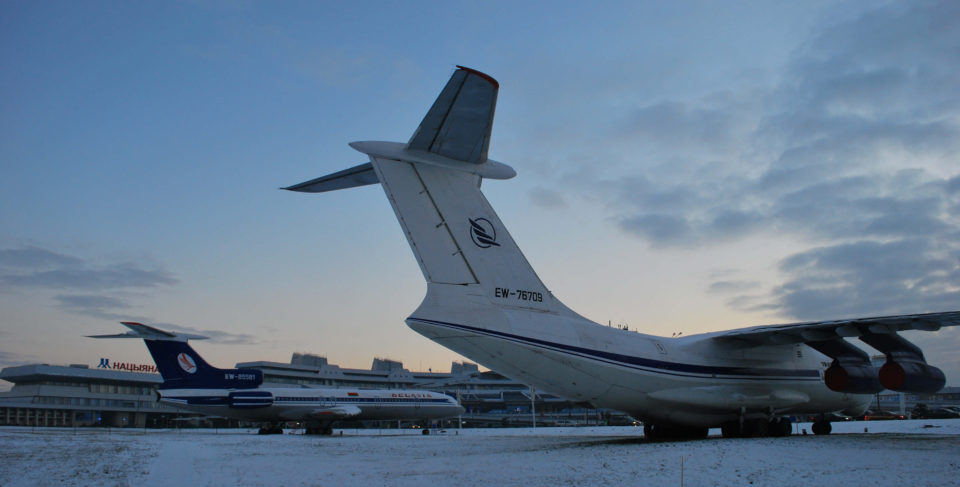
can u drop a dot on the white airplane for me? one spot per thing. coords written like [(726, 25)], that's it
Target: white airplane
[(190, 383), (485, 302)]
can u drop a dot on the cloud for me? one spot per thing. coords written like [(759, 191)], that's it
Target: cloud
[(116, 276), (547, 198), (868, 277), (854, 150), (104, 307), (30, 257), (726, 287), (13, 359), (104, 291), (660, 228), (38, 267), (888, 205), (100, 290)]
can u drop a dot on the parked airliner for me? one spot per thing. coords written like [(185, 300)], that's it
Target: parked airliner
[(190, 383), (485, 302)]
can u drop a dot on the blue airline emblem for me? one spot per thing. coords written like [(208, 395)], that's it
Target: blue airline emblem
[(104, 363), (483, 233)]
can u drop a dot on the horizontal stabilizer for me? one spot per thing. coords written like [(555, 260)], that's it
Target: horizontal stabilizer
[(459, 123), (139, 330), (361, 175)]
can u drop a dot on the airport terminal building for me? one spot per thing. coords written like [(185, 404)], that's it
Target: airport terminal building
[(76, 395)]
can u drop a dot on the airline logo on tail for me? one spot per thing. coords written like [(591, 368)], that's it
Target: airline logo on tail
[(483, 233), (186, 363)]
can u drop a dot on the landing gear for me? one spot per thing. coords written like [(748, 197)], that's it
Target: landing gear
[(322, 430), (780, 427), (756, 428), (821, 427), (660, 431)]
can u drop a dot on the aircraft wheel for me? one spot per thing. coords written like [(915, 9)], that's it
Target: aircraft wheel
[(822, 428), (756, 428), (674, 432), (730, 429), (780, 427), (651, 431), (786, 427), (698, 433)]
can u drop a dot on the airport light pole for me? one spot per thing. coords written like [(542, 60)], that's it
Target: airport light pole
[(533, 406)]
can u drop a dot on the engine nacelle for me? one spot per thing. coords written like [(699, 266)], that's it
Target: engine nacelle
[(855, 379), (916, 376)]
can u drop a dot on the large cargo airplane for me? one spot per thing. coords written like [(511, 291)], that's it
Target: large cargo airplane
[(485, 302), (190, 383)]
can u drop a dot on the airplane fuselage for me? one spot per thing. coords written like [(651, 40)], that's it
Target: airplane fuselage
[(308, 404), (689, 380)]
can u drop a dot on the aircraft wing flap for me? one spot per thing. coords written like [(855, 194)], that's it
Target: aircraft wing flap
[(826, 330)]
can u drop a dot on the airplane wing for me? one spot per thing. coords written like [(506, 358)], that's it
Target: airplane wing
[(326, 413), (905, 370), (815, 331), (335, 412)]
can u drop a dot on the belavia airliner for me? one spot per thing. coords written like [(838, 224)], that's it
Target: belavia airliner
[(190, 383), (485, 302)]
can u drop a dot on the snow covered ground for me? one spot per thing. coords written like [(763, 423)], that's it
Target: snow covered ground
[(894, 453)]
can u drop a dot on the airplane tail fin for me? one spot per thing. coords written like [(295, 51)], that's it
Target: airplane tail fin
[(433, 183), (459, 123), (181, 366)]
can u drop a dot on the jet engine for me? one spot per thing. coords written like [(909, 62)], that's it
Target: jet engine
[(906, 370), (855, 379), (915, 376)]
